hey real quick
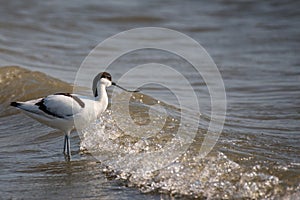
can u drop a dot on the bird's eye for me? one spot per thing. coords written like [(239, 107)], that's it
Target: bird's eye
[(108, 77)]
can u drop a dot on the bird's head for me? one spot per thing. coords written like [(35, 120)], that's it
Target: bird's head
[(103, 78), (106, 79)]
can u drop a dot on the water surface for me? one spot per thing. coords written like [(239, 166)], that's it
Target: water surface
[(255, 45)]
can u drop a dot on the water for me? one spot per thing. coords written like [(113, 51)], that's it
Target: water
[(255, 45)]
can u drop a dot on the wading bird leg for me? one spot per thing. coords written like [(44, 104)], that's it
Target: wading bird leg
[(67, 146)]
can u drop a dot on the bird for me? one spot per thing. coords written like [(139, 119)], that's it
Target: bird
[(65, 111)]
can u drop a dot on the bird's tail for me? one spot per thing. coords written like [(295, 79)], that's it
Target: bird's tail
[(25, 106), (15, 104)]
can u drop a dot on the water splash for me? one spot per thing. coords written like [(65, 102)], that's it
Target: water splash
[(212, 177)]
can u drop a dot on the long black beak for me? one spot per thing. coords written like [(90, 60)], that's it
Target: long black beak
[(113, 83)]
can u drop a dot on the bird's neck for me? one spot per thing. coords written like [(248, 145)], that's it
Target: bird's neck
[(102, 95)]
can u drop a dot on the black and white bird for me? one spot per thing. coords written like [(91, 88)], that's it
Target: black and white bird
[(65, 111)]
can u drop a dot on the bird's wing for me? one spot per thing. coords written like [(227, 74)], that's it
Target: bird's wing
[(61, 105)]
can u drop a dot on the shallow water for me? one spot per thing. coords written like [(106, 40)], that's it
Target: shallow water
[(255, 45)]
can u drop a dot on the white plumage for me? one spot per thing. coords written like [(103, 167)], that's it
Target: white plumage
[(63, 110)]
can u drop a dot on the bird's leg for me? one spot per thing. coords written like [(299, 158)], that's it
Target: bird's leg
[(67, 146), (65, 143)]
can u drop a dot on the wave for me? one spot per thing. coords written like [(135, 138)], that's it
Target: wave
[(142, 160), (20, 84), (158, 160)]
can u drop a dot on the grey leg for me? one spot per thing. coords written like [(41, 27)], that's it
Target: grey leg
[(67, 147), (65, 143)]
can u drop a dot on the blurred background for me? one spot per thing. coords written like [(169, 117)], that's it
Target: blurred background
[(255, 45)]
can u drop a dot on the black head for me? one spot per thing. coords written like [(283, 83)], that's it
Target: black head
[(97, 78), (105, 75)]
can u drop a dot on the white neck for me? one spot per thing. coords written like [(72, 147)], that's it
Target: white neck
[(102, 97)]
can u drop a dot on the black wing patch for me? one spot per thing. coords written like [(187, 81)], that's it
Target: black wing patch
[(43, 108), (81, 103)]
